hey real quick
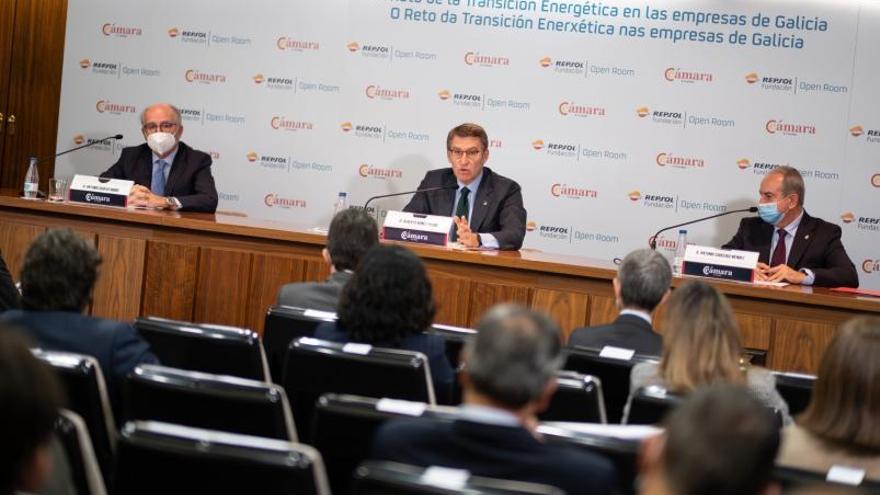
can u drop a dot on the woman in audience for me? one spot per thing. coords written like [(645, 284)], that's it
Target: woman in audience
[(389, 303), (841, 426), (701, 346)]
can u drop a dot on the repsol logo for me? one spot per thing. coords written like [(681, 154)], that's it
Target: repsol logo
[(765, 166), (464, 97), (104, 66), (777, 80), (273, 159), (553, 230), (659, 199), (374, 49), (566, 64), (194, 34), (561, 147), (869, 221), (279, 80), (659, 114), (368, 128)]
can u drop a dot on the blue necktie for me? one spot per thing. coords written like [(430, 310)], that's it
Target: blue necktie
[(158, 186)]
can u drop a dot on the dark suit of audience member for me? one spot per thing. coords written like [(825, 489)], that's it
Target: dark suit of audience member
[(641, 284), (508, 378), (352, 233), (8, 292)]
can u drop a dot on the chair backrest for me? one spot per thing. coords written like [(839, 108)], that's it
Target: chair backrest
[(613, 373), (796, 389), (651, 404), (283, 325), (86, 393), (157, 457), (314, 367), (343, 427), (578, 398), (454, 339), (202, 400), (791, 478), (391, 478), (71, 431), (203, 347)]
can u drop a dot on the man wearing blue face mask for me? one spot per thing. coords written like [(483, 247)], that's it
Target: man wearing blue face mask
[(794, 247)]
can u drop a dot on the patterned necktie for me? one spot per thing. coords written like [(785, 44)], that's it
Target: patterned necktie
[(461, 210), (779, 253), (158, 185)]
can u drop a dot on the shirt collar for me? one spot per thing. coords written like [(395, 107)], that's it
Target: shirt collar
[(635, 312), (488, 415), (169, 158), (791, 229), (473, 186)]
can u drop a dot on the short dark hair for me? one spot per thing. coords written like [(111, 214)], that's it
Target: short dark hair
[(515, 353), (30, 396), (468, 130), (722, 441), (352, 233), (59, 272), (388, 298), (644, 276)]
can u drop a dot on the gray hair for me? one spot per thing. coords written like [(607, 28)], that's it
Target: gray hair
[(174, 110), (515, 353), (792, 182), (644, 277)]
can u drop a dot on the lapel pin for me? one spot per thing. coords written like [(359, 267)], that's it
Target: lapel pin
[(485, 203), (807, 236)]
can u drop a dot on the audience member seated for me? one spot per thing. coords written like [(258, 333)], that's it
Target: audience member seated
[(720, 441), (841, 426), (641, 284), (389, 303), (57, 279), (30, 396), (509, 376), (8, 292), (352, 233), (701, 346)]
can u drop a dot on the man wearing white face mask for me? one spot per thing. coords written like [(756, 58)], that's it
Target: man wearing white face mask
[(794, 247), (167, 173)]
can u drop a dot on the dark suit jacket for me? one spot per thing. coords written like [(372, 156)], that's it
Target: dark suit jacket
[(8, 292), (627, 331), (321, 296), (117, 346), (816, 246), (506, 452), (190, 179), (498, 206)]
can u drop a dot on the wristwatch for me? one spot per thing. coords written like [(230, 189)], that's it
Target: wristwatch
[(169, 203)]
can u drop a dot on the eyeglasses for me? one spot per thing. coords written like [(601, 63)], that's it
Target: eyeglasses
[(471, 153), (152, 127)]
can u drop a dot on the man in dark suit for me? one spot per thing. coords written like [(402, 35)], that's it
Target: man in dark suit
[(487, 207), (642, 283), (794, 247), (352, 233), (8, 292), (167, 173), (57, 278), (509, 376)]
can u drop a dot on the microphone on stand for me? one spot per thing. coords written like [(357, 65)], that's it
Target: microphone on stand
[(115, 136), (751, 209)]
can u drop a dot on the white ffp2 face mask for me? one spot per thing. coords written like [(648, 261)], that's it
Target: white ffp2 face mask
[(161, 142)]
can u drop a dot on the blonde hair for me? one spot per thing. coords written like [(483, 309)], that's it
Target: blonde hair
[(701, 343)]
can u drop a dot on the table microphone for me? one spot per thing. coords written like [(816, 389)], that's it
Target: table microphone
[(428, 189), (116, 136), (653, 243)]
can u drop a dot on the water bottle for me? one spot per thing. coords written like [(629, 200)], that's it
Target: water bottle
[(340, 205), (680, 248), (31, 179)]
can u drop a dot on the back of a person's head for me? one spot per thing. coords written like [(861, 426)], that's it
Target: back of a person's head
[(352, 233), (59, 272), (701, 343), (644, 278), (29, 400), (388, 297), (845, 406), (515, 353), (720, 441)]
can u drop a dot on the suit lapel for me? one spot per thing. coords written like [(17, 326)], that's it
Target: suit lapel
[(446, 197), (143, 173), (482, 201), (176, 166), (801, 240), (765, 234)]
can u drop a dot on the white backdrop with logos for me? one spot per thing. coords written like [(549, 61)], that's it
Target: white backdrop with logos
[(616, 117)]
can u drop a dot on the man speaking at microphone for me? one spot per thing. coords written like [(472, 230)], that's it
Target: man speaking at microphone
[(794, 247), (167, 173), (487, 207)]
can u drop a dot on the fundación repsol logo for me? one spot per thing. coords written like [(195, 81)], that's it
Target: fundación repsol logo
[(661, 116), (564, 66), (652, 200), (371, 51), (672, 160), (856, 130), (847, 217), (871, 266), (676, 74), (875, 180), (288, 44), (110, 29), (476, 58), (572, 192), (366, 170), (873, 135), (634, 195), (373, 91), (104, 106), (773, 83), (781, 127), (538, 144), (273, 199), (531, 225), (743, 163), (192, 75), (571, 109), (285, 124)]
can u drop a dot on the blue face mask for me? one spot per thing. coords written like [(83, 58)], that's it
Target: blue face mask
[(769, 213)]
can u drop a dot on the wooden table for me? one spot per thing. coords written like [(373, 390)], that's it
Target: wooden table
[(226, 268)]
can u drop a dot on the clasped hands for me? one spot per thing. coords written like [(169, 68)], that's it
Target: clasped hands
[(466, 237), (142, 196), (779, 273)]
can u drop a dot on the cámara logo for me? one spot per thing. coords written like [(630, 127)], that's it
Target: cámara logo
[(372, 91), (104, 106), (560, 190), (567, 108), (290, 44), (664, 159), (476, 58), (192, 75), (273, 199), (366, 170), (673, 74), (538, 144), (782, 127), (282, 123), (871, 266), (110, 29)]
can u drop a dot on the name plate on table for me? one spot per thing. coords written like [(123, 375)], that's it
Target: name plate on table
[(415, 227), (97, 191), (727, 264)]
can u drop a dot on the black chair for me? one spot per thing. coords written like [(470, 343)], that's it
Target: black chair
[(650, 405), (791, 479), (796, 389), (86, 393), (157, 457), (454, 339), (577, 398), (343, 427), (208, 348), (613, 373), (216, 402), (283, 325), (315, 367), (71, 432), (391, 478)]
